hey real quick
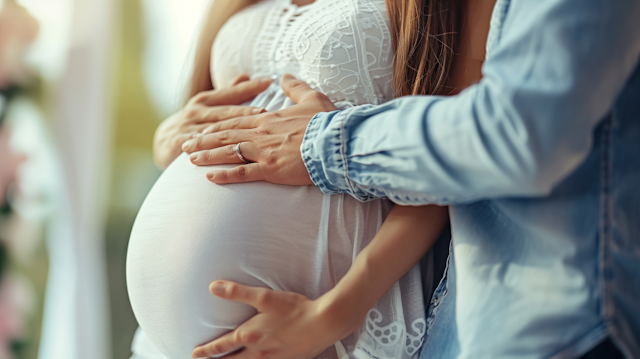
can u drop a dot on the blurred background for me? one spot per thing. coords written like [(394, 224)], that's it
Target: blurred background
[(83, 85)]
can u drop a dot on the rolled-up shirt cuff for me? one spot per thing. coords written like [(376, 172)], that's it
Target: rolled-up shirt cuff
[(321, 150), (325, 156)]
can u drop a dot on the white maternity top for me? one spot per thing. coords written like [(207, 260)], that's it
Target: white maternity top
[(190, 231)]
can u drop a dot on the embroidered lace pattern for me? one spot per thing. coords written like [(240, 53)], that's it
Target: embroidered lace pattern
[(343, 49), (393, 333), (339, 47)]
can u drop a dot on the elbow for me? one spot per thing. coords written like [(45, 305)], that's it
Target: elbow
[(535, 158), (543, 173), (539, 185), (534, 138)]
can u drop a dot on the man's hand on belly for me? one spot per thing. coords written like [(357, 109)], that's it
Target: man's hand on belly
[(270, 140)]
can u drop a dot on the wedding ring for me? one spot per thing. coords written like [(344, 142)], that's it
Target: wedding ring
[(236, 149)]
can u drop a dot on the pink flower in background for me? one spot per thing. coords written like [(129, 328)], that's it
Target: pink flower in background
[(16, 302), (17, 30), (9, 163)]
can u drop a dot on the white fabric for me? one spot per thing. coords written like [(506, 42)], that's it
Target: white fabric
[(339, 47), (143, 348), (190, 232)]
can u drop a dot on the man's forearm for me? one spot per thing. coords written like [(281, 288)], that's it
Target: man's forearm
[(552, 77)]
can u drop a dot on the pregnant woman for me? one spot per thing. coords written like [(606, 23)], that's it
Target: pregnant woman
[(190, 231)]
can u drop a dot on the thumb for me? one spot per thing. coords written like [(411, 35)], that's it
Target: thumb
[(234, 95), (259, 298), (299, 91), (241, 78)]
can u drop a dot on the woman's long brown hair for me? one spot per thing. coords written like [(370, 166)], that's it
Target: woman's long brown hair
[(424, 35)]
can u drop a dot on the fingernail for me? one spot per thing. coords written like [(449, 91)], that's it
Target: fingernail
[(187, 145), (265, 80), (217, 288), (194, 156), (210, 175), (258, 110)]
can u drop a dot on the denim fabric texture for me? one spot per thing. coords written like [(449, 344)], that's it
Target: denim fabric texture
[(540, 165)]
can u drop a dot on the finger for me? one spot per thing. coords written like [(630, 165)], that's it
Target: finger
[(240, 78), (257, 297), (220, 113), (244, 353), (179, 140), (217, 139), (238, 123), (224, 155), (234, 95), (217, 156), (227, 343), (245, 173), (198, 130), (299, 91), (194, 130)]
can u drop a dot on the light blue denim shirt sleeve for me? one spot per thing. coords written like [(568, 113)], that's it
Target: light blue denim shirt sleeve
[(552, 76)]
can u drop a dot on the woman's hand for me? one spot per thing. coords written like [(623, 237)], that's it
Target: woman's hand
[(203, 109), (272, 140), (287, 326)]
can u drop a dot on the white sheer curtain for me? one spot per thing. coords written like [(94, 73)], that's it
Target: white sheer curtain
[(76, 323), (74, 52)]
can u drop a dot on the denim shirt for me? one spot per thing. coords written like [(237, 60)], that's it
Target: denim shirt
[(540, 165)]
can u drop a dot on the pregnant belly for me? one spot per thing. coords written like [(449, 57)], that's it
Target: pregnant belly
[(190, 232)]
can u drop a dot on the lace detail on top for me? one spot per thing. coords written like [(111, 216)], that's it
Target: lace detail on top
[(387, 336), (341, 48)]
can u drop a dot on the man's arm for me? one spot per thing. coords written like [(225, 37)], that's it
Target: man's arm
[(554, 74)]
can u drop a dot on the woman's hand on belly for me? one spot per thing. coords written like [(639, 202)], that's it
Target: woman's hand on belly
[(270, 140), (287, 326), (201, 111)]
